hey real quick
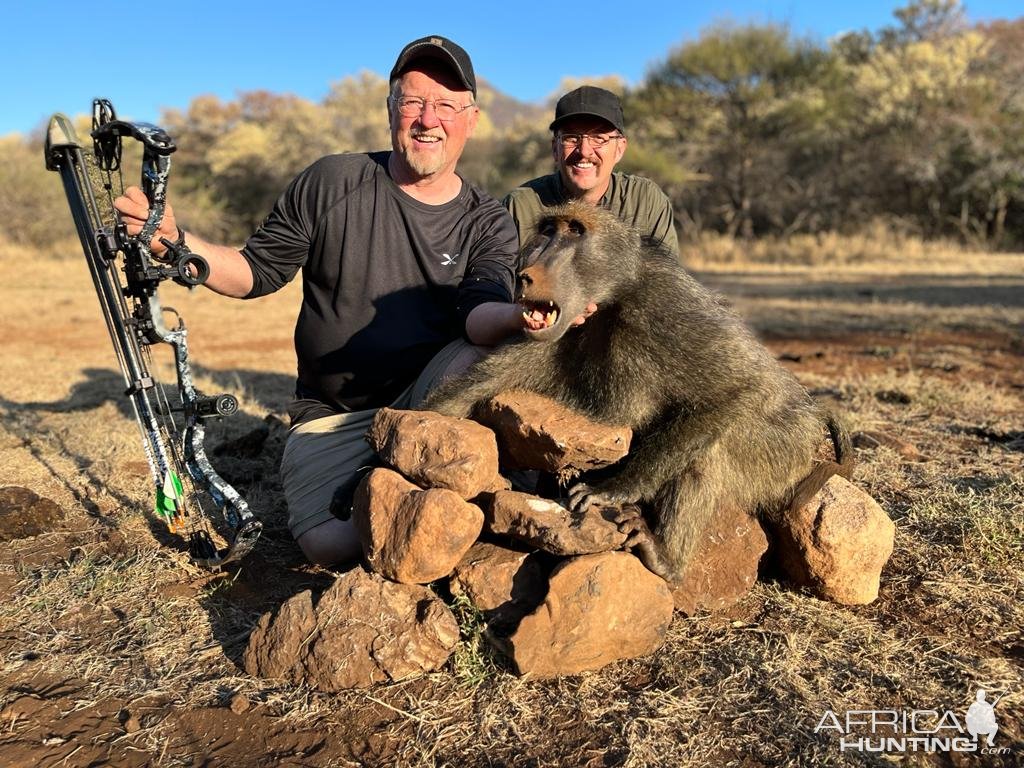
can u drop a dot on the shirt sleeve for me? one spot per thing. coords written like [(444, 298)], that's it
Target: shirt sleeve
[(490, 271), (280, 247), (663, 228), (526, 208)]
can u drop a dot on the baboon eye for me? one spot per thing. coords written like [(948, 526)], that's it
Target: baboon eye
[(547, 228), (576, 227)]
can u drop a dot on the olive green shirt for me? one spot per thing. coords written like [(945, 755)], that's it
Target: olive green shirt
[(636, 200)]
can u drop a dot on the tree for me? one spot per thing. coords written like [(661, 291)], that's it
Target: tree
[(728, 101)]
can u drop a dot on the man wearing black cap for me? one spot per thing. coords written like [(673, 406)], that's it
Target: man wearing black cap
[(405, 267), (588, 140)]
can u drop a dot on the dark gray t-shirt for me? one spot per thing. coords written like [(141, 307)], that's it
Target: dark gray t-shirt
[(387, 280)]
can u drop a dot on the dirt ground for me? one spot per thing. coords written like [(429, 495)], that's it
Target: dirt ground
[(115, 650)]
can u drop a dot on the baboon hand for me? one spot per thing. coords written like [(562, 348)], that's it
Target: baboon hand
[(631, 522), (642, 543), (582, 496)]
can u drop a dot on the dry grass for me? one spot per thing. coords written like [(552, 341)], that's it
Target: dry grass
[(102, 619), (877, 248)]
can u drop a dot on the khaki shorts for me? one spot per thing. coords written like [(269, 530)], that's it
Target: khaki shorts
[(324, 453)]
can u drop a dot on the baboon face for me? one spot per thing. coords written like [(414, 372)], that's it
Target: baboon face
[(567, 266)]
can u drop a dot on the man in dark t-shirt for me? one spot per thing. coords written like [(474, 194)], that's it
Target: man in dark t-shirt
[(407, 271)]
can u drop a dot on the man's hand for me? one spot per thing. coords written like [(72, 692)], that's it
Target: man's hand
[(582, 318), (134, 209)]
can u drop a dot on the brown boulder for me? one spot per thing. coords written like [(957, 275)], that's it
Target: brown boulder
[(436, 451), (492, 577), (537, 433), (411, 535), (363, 630), (549, 526), (599, 608), (274, 646), (724, 567), (837, 544)]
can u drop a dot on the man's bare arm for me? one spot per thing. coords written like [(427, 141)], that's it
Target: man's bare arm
[(230, 274)]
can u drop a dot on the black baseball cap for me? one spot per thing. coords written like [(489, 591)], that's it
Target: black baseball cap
[(443, 49), (590, 100)]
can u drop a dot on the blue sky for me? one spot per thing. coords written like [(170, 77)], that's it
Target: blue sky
[(144, 56)]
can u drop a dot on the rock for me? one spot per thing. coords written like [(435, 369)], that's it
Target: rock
[(238, 704), (494, 577), (837, 544), (599, 608), (275, 644), (549, 526), (725, 565), (436, 451), (537, 433), (25, 513), (412, 535), (364, 630), (871, 439)]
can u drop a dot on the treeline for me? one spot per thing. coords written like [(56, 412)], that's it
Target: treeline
[(752, 131)]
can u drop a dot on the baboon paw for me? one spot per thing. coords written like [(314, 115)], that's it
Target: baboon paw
[(637, 539), (627, 515), (631, 522), (582, 496)]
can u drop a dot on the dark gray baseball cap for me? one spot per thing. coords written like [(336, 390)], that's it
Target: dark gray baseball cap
[(442, 49), (592, 101)]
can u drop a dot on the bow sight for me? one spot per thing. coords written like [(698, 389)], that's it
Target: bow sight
[(191, 497)]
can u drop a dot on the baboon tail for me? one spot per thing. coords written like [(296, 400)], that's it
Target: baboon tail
[(842, 466), (841, 445)]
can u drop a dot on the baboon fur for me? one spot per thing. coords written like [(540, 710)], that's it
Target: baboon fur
[(717, 421)]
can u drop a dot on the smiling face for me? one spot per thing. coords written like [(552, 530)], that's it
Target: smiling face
[(425, 147), (584, 168)]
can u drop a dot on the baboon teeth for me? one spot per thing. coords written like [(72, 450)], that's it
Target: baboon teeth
[(537, 314)]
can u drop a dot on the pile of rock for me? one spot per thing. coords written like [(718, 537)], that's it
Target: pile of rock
[(558, 595)]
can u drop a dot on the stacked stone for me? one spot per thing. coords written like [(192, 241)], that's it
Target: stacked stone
[(559, 594)]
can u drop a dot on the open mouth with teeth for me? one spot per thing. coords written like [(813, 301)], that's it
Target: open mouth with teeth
[(541, 312)]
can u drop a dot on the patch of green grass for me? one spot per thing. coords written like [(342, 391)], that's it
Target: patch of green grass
[(474, 659), (979, 518)]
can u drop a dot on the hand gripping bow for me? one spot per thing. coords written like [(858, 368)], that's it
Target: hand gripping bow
[(126, 273)]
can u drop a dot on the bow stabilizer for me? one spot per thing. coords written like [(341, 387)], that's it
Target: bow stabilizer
[(191, 498)]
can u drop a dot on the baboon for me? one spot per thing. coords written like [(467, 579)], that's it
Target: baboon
[(716, 419)]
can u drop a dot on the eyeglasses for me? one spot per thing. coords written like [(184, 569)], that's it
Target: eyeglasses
[(573, 140), (414, 106)]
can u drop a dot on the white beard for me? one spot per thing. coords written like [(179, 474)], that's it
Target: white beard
[(422, 164)]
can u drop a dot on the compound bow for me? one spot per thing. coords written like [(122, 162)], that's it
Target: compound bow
[(189, 491)]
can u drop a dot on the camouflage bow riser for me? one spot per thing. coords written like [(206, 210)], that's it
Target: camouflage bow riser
[(191, 498)]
